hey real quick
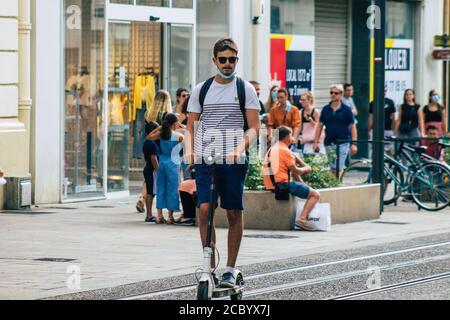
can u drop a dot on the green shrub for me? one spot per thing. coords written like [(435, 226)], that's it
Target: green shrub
[(321, 176), (255, 175)]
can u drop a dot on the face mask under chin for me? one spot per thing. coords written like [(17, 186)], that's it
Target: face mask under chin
[(225, 76)]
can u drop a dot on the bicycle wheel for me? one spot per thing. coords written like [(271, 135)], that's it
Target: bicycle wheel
[(393, 180), (430, 187), (359, 173)]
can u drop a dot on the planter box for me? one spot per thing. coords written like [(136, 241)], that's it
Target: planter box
[(349, 204)]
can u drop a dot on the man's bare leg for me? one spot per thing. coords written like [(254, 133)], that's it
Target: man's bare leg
[(235, 233)]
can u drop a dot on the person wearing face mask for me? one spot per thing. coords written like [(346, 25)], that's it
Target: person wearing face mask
[(272, 100), (433, 114), (221, 126)]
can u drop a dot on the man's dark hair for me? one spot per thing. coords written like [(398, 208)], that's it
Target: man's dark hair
[(225, 44), (431, 127), (347, 85), (283, 90), (283, 132), (255, 83), (150, 127)]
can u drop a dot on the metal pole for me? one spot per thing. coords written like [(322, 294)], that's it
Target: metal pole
[(380, 43)]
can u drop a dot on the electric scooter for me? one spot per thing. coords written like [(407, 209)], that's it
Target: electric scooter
[(207, 289)]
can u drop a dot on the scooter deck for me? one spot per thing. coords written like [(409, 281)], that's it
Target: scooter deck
[(226, 292)]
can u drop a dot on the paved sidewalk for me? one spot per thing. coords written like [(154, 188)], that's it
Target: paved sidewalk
[(112, 245)]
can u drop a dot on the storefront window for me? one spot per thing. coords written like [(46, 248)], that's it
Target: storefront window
[(180, 67), (212, 24), (400, 20), (83, 108), (292, 17), (153, 3), (118, 107), (122, 1), (188, 4)]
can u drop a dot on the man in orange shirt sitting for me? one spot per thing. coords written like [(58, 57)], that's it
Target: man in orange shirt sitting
[(283, 162), (285, 114)]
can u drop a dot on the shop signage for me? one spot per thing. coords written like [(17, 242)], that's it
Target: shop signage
[(442, 41), (397, 59), (292, 63), (399, 68), (441, 54), (73, 20)]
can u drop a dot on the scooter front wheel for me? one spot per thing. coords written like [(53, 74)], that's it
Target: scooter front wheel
[(202, 291)]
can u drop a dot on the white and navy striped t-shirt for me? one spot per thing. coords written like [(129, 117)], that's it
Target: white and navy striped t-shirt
[(221, 127)]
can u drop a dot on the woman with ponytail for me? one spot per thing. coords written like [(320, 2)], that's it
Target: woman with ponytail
[(169, 169)]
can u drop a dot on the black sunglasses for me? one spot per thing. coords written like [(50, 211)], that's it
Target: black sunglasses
[(223, 60), (335, 93)]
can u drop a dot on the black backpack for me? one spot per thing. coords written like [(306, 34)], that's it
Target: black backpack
[(241, 95)]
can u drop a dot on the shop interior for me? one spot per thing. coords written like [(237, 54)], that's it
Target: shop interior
[(134, 75)]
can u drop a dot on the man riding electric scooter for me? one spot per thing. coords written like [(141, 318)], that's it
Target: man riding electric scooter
[(221, 110)]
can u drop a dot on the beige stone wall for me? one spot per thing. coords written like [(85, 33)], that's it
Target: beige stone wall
[(15, 102), (348, 205)]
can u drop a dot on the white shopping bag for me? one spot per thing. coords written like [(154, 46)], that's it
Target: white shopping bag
[(320, 216), (2, 181), (308, 149)]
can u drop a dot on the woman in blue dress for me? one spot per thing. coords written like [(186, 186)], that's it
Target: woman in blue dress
[(169, 168)]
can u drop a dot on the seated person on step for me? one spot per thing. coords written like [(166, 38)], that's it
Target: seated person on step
[(284, 162)]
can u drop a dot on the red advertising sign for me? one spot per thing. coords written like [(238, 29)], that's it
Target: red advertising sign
[(278, 60)]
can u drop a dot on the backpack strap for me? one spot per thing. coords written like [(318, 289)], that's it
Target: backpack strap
[(241, 95), (242, 100), (269, 167), (204, 91)]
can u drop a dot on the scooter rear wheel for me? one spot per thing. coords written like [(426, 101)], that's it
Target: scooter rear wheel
[(202, 291)]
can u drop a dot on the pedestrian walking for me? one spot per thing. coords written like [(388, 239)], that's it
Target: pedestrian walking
[(182, 96), (151, 155), (347, 98), (389, 121), (433, 114), (339, 123), (309, 119), (161, 106), (407, 124), (285, 114), (2, 179), (272, 101), (257, 87), (223, 105)]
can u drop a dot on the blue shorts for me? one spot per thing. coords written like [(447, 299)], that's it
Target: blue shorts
[(230, 181), (298, 189)]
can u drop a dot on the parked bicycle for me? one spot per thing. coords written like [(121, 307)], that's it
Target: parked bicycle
[(416, 175)]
